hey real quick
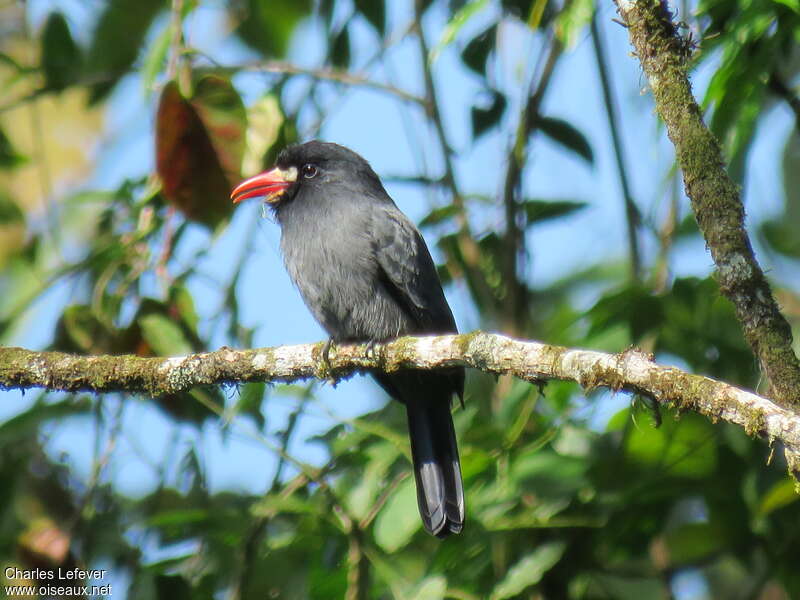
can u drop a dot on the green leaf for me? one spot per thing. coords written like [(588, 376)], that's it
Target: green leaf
[(792, 4), (439, 215), (375, 13), (9, 157), (687, 227), (476, 53), (80, 330), (116, 42), (274, 503), (702, 328), (267, 25), (781, 236), (537, 211), (179, 516), (483, 119), (431, 588), (340, 49), (680, 448), (529, 570), (361, 495), (783, 493), (156, 58), (224, 118), (571, 21), (172, 587), (633, 306), (461, 18), (603, 585), (264, 126), (549, 474), (61, 56), (181, 300), (10, 212), (567, 135), (163, 335), (398, 520), (692, 543)]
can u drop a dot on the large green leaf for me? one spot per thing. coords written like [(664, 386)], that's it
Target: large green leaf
[(692, 543), (528, 570), (484, 119), (398, 520), (537, 211), (476, 53), (9, 157), (680, 448), (267, 25), (10, 212), (375, 12), (633, 306), (163, 335), (565, 134), (340, 48), (62, 60), (117, 40), (461, 17)]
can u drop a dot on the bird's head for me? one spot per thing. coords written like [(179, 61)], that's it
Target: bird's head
[(307, 168)]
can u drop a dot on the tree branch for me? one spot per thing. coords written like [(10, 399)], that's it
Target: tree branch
[(631, 370), (334, 75), (715, 199)]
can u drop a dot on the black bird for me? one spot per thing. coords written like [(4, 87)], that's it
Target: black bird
[(366, 274)]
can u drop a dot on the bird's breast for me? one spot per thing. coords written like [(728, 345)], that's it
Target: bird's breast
[(336, 272)]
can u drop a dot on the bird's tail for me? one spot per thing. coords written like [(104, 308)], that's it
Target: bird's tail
[(440, 493)]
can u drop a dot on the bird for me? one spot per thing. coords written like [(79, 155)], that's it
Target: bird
[(366, 275)]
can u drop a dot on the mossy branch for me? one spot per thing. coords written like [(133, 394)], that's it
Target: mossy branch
[(715, 198), (631, 370)]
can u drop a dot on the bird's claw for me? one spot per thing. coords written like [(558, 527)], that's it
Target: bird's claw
[(326, 352), (372, 350)]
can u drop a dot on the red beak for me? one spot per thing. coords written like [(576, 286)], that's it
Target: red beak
[(270, 184)]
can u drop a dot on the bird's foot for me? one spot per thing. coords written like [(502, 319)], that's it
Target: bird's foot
[(326, 352), (372, 350)]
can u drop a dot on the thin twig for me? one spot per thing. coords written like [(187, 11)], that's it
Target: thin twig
[(514, 320), (331, 74), (632, 216), (469, 248), (176, 44)]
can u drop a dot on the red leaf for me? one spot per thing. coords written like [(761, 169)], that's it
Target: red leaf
[(199, 147)]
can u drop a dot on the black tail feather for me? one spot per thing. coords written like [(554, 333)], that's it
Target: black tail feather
[(440, 493)]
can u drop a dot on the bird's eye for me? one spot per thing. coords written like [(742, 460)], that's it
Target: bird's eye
[(309, 170)]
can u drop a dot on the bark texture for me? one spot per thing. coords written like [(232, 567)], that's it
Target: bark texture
[(632, 371), (715, 198)]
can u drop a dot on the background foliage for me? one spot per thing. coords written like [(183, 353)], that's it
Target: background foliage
[(565, 499)]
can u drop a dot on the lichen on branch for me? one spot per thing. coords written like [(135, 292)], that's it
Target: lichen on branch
[(715, 198), (532, 361)]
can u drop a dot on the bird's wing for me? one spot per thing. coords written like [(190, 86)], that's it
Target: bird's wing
[(409, 272)]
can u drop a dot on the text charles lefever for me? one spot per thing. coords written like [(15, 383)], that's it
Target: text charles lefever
[(54, 574)]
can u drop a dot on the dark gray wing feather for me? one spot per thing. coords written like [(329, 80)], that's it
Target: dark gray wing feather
[(410, 273), (409, 277)]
